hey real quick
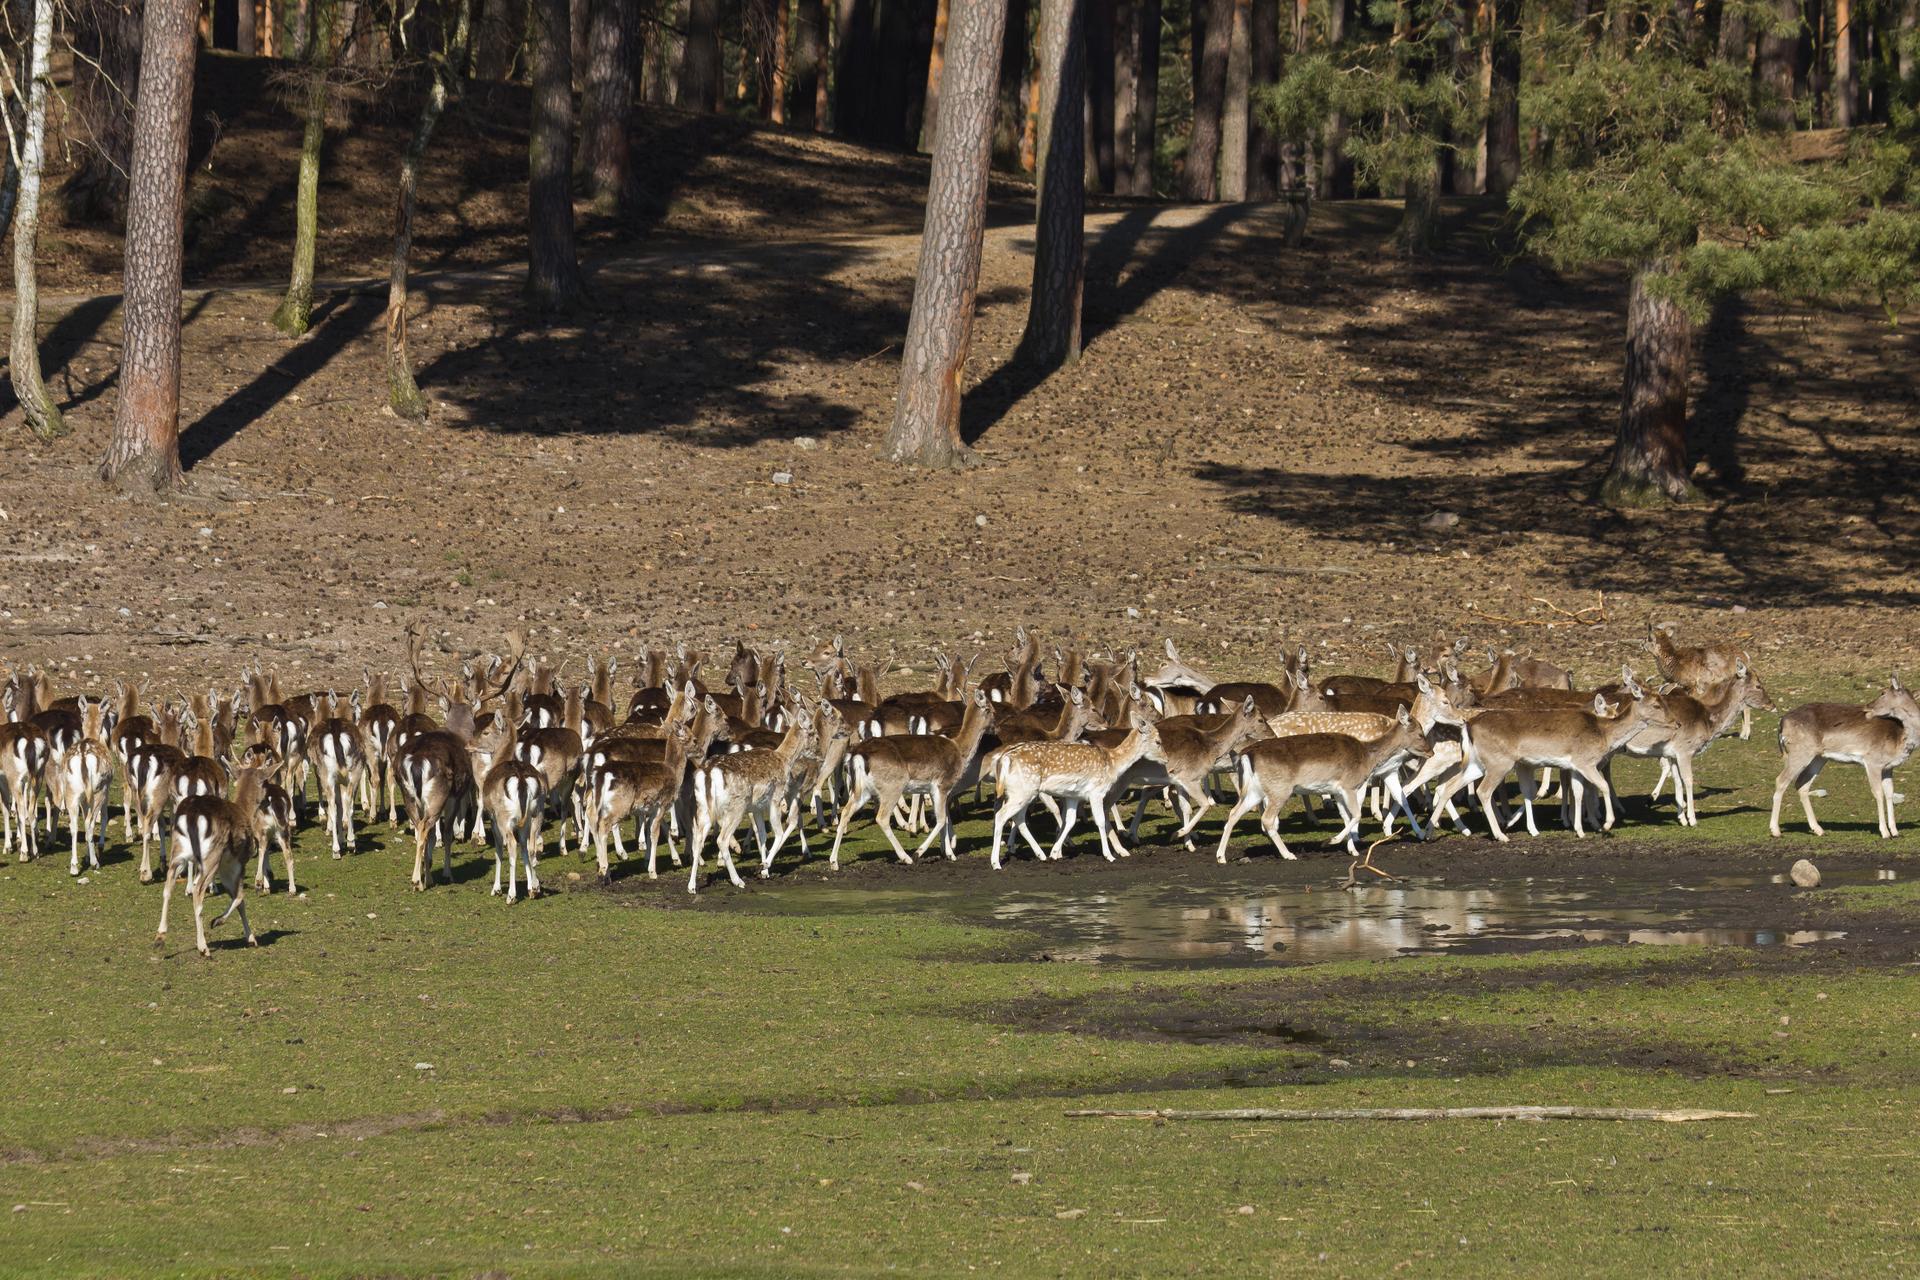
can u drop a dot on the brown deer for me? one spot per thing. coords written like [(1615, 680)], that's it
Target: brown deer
[(340, 751), (887, 768), (1334, 765), (379, 733), (212, 839), (1878, 737), (1191, 748), (79, 781), (1700, 669), (149, 781), (647, 790), (1074, 773), (513, 793), (1697, 722), (751, 785)]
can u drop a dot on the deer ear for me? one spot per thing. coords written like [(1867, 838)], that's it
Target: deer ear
[(1740, 671), (1599, 705), (1893, 682), (1420, 683), (1400, 717), (1247, 705)]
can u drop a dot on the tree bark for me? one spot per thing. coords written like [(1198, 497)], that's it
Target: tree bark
[(1334, 176), (1100, 94), (42, 415), (1235, 135), (1503, 100), (700, 71), (1650, 454), (1846, 67), (666, 50), (106, 80), (926, 422), (579, 23), (1263, 145), (809, 63), (145, 447), (606, 157), (1010, 120), (1778, 55), (1909, 55), (246, 40), (782, 76), (1197, 179), (294, 315), (930, 114), (1146, 104), (854, 70), (1059, 257), (553, 275), (1126, 90), (500, 29), (403, 393)]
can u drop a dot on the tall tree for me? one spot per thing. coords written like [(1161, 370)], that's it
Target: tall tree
[(1100, 94), (500, 28), (448, 70), (1146, 103), (1779, 55), (926, 421), (1010, 121), (1235, 136), (1059, 250), (701, 75), (606, 108), (930, 116), (781, 78), (1846, 65), (553, 275), (106, 79), (809, 63), (30, 158), (1126, 89), (665, 52), (1209, 97), (146, 420), (855, 67), (1636, 123), (1503, 97), (1263, 146), (295, 313)]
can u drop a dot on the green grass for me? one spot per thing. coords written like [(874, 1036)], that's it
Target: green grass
[(618, 1085)]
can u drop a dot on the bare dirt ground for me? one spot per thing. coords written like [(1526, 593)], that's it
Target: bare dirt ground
[(1249, 444)]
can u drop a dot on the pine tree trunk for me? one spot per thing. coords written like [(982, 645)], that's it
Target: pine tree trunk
[(245, 30), (499, 30), (1263, 145), (666, 50), (1146, 105), (1126, 89), (1778, 56), (854, 71), (145, 448), (782, 75), (900, 88), (1503, 100), (579, 22), (1334, 173), (606, 158), (106, 80), (403, 393), (809, 63), (1010, 119), (1100, 90), (24, 357), (700, 71), (1420, 212), (553, 275), (1235, 135), (294, 316), (1209, 99), (1030, 123), (1059, 257), (926, 422), (930, 116), (1650, 454), (1846, 68)]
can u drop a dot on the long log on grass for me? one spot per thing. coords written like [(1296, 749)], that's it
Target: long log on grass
[(1682, 1116)]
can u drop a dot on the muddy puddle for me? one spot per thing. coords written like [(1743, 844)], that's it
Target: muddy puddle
[(1223, 920)]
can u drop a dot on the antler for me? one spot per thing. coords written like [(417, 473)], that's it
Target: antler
[(517, 650)]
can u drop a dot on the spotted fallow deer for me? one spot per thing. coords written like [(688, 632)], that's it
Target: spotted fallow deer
[(1334, 765), (751, 785), (380, 734), (1191, 748), (340, 750), (646, 790), (1878, 737), (513, 792), (893, 766), (1074, 773), (24, 752), (212, 838)]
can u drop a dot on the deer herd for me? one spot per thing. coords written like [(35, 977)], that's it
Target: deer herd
[(507, 749)]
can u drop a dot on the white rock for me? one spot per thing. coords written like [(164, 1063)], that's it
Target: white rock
[(1805, 874)]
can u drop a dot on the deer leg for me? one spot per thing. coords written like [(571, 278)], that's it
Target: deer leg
[(937, 803), (1576, 787), (1484, 793), (1683, 787), (1067, 817), (497, 844), (847, 810), (1746, 723), (1100, 826), (1882, 789), (731, 846), (1807, 776), (1248, 798), (1270, 823), (1666, 768), (888, 804)]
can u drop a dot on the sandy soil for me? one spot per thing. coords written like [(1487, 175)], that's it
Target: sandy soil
[(1248, 449)]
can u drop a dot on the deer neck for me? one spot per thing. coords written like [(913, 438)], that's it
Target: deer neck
[(973, 727)]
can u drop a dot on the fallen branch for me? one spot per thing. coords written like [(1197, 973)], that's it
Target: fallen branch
[(1682, 1116), (1577, 616)]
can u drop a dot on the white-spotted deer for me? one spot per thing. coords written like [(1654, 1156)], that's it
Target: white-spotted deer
[(1074, 773), (212, 838), (514, 794), (746, 785), (1878, 737), (888, 768), (340, 752), (1333, 765)]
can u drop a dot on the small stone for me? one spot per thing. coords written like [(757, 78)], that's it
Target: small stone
[(1439, 521), (1245, 1211), (980, 521), (806, 444), (783, 477), (206, 531), (916, 1186), (1339, 1063), (1022, 1179), (1067, 1215), (1805, 874), (1739, 608), (291, 1089), (125, 612), (1132, 612), (423, 1066)]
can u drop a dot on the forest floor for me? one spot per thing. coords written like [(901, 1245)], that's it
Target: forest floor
[(1251, 442)]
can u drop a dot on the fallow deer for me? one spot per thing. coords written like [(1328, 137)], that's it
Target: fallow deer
[(1334, 765), (80, 780), (746, 785), (1073, 773), (340, 750), (1700, 669), (212, 839), (513, 792), (1697, 722), (1878, 737), (887, 768)]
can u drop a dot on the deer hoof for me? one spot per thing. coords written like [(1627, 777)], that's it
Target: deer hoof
[(252, 941)]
